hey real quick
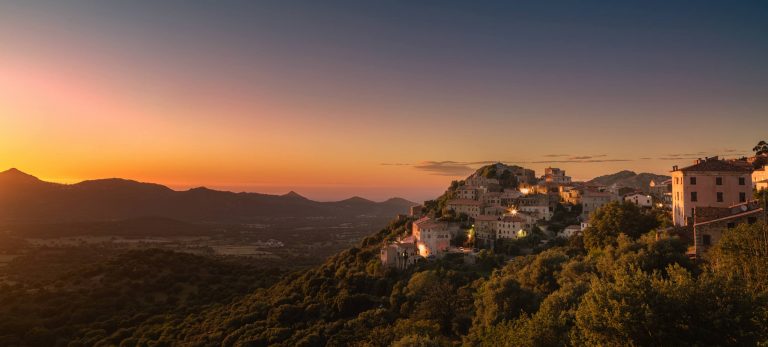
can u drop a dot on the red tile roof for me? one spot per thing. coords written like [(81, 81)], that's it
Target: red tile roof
[(716, 165), (464, 202)]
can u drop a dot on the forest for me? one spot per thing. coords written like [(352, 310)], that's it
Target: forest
[(607, 287)]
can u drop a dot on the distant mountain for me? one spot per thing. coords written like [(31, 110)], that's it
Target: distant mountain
[(26, 199), (629, 179)]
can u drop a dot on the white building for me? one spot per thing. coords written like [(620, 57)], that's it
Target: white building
[(432, 237), (639, 199), (400, 254)]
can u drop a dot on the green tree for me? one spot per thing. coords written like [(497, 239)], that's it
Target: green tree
[(617, 218), (743, 253), (761, 148)]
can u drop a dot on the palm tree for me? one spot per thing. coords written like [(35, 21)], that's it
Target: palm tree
[(761, 148)]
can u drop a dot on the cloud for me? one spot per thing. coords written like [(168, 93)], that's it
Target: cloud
[(578, 161), (445, 168), (463, 168)]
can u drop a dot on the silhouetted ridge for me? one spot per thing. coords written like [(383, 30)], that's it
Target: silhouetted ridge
[(16, 175), (121, 199), (294, 195)]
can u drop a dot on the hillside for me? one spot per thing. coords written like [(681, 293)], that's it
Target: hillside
[(24, 198), (561, 295), (629, 179)]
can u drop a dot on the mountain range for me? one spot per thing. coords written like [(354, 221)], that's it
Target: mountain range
[(26, 199), (629, 179)]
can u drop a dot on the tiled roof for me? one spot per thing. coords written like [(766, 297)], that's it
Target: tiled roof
[(513, 219), (738, 215), (590, 193), (486, 218), (716, 165), (464, 202)]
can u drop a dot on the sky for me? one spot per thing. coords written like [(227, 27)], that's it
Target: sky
[(374, 98)]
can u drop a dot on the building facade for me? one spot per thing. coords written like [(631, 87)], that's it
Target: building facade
[(639, 199), (709, 182), (431, 237), (712, 222)]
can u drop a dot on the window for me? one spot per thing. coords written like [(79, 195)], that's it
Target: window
[(706, 240), (719, 196), (742, 181), (693, 180), (731, 225), (719, 181), (694, 197), (742, 197)]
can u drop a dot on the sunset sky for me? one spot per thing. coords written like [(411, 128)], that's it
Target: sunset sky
[(377, 99)]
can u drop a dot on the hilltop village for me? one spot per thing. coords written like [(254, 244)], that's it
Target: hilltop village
[(511, 210)]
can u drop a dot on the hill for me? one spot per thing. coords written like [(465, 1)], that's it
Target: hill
[(25, 199), (560, 295), (629, 179)]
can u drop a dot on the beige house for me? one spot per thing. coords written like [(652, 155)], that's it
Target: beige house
[(710, 182), (471, 208), (431, 237), (495, 210), (508, 196), (400, 254), (466, 193), (512, 227), (760, 178), (491, 198), (555, 175), (570, 195), (539, 211)]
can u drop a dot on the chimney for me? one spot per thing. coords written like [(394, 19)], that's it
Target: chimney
[(674, 168)]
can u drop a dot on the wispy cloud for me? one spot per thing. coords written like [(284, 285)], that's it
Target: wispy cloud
[(577, 161), (446, 168), (463, 168)]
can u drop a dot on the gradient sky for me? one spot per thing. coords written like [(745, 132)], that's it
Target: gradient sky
[(378, 99)]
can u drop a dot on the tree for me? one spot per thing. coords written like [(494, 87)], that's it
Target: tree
[(617, 218), (760, 148), (642, 309), (743, 253)]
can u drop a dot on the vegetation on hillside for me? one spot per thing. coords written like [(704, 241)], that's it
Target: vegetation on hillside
[(633, 288), (622, 282), (105, 302)]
